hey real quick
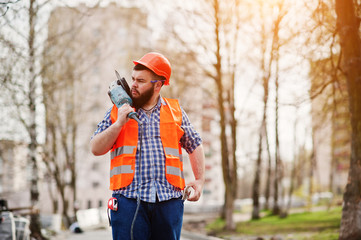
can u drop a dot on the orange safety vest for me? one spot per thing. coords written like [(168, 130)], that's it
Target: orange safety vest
[(123, 153)]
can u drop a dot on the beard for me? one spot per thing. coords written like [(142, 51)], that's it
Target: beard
[(139, 102)]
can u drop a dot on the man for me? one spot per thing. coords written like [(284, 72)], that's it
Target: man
[(146, 162)]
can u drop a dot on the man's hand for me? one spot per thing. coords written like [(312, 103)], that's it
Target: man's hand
[(197, 186), (123, 112)]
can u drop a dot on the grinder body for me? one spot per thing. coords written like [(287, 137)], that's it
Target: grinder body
[(118, 94)]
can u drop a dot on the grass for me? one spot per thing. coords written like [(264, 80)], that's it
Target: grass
[(319, 225)]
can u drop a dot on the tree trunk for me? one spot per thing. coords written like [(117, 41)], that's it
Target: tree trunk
[(311, 174), (35, 226), (268, 183), (233, 120), (333, 139), (262, 133), (50, 156), (234, 141), (269, 172), (227, 172), (257, 176), (73, 170), (348, 29), (294, 166), (278, 173), (73, 132)]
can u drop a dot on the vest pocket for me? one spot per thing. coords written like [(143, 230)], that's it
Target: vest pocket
[(174, 171), (122, 172)]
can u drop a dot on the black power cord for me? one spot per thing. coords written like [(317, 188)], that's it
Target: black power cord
[(139, 181)]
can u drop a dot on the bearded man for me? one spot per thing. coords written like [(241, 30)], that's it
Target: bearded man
[(146, 169)]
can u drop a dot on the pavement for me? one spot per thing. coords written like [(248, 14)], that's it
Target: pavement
[(193, 229), (106, 234), (96, 234)]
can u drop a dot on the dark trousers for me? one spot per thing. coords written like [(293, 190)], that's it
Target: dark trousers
[(154, 221)]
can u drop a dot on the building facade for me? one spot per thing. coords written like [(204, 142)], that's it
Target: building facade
[(85, 45), (112, 37)]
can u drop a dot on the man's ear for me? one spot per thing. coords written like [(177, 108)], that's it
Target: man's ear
[(158, 86)]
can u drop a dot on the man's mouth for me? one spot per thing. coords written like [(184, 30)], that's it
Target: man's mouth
[(134, 92)]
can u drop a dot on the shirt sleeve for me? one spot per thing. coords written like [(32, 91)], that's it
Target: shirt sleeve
[(104, 124), (191, 138)]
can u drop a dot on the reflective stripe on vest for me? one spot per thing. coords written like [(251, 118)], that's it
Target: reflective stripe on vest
[(121, 169), (173, 151), (122, 150), (123, 153), (175, 171)]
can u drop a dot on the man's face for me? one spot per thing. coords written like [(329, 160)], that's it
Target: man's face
[(141, 89)]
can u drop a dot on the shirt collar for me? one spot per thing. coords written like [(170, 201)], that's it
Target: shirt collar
[(161, 101)]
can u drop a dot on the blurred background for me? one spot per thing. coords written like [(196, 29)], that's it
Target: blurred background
[(259, 79)]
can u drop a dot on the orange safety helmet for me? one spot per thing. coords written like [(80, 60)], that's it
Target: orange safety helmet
[(157, 63)]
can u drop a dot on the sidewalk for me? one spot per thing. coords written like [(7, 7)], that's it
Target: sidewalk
[(103, 234), (193, 229), (106, 234)]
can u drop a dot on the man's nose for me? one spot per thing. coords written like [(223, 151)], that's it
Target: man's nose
[(134, 84)]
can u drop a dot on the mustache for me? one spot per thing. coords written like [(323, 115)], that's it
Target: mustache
[(135, 90)]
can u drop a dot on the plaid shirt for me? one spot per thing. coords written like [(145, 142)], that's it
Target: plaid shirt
[(153, 181)]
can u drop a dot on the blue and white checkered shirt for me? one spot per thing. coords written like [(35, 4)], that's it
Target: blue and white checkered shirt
[(153, 180)]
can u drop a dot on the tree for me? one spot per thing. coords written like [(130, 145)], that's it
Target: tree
[(228, 176), (32, 89), (263, 136), (276, 52), (295, 163), (348, 25), (329, 93), (233, 53), (213, 18), (25, 55), (61, 80), (5, 5), (269, 65)]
